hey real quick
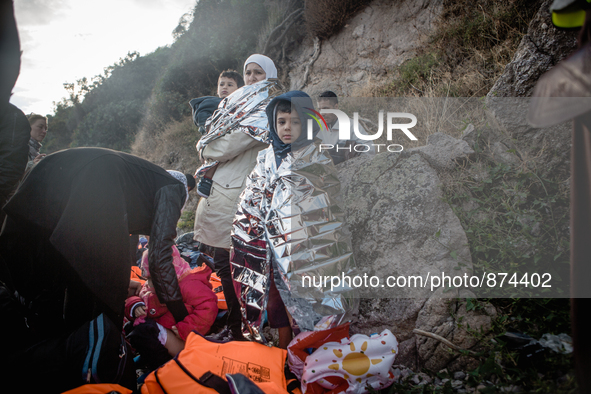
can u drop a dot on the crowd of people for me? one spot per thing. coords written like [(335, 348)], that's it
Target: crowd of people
[(65, 253), (266, 211)]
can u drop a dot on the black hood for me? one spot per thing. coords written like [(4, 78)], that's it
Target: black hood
[(305, 107)]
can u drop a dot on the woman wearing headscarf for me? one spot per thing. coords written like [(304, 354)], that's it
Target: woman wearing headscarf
[(236, 133)]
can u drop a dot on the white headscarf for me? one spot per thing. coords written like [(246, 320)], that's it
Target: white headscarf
[(179, 176), (265, 63)]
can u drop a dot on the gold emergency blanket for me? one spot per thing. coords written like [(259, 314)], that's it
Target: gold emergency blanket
[(288, 216)]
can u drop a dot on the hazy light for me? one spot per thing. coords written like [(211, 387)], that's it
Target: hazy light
[(69, 40)]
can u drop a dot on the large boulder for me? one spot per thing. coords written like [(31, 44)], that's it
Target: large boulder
[(443, 152), (401, 226), (399, 223)]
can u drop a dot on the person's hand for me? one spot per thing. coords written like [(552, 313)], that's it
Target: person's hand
[(134, 288), (175, 331), (38, 158), (139, 311)]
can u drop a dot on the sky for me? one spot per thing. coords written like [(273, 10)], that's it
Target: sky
[(66, 40)]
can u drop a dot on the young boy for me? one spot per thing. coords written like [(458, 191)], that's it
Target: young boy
[(203, 107), (330, 136), (288, 226)]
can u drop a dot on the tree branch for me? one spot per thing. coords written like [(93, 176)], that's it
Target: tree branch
[(311, 62), (291, 19), (277, 41), (445, 342)]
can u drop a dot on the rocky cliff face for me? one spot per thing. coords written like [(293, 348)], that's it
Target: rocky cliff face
[(540, 49), (377, 39), (393, 202)]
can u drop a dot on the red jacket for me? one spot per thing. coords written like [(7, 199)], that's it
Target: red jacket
[(198, 297)]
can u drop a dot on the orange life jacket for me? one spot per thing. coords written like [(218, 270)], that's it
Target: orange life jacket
[(188, 371), (100, 388), (136, 274), (216, 286)]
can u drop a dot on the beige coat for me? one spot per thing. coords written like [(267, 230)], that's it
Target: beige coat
[(236, 153)]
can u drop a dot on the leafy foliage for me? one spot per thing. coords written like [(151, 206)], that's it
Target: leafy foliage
[(107, 111), (186, 222), (208, 46), (515, 221), (110, 125)]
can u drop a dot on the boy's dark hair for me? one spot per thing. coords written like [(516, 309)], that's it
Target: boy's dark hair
[(283, 106), (233, 74), (190, 182), (330, 96)]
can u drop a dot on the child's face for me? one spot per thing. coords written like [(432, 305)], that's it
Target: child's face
[(288, 126), (226, 86), (254, 73)]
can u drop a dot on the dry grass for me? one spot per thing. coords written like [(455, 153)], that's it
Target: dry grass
[(277, 11), (472, 43), (172, 147), (434, 115), (465, 55)]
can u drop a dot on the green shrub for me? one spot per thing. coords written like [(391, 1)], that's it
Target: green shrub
[(515, 222), (187, 221), (412, 74), (467, 52)]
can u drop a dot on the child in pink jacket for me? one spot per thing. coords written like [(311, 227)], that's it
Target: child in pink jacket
[(156, 334)]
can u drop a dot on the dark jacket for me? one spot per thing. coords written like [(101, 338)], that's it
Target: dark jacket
[(15, 132), (10, 50), (89, 200), (203, 108), (14, 127)]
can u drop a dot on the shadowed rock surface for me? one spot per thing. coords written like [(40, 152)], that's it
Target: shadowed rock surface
[(401, 226), (541, 48)]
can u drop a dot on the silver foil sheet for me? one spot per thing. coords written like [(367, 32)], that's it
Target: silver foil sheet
[(288, 217), (241, 112)]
